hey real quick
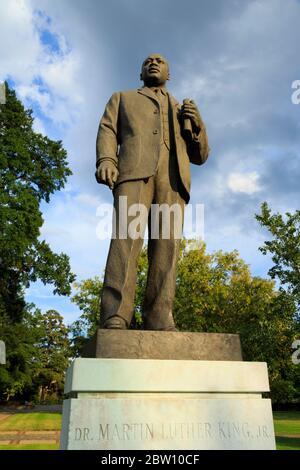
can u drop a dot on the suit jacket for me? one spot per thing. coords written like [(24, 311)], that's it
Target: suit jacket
[(129, 135)]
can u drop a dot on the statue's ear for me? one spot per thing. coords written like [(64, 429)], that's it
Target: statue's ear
[(141, 77)]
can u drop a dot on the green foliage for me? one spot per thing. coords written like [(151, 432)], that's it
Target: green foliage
[(223, 297), (284, 248), (16, 376), (32, 167), (142, 271), (53, 353), (87, 298), (38, 352), (217, 293)]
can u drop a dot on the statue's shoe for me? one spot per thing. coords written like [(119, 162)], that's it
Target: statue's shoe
[(115, 323)]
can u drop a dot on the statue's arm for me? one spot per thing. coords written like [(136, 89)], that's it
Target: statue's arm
[(196, 140), (198, 147), (107, 143)]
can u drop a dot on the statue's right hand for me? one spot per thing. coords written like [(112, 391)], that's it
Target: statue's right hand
[(107, 173)]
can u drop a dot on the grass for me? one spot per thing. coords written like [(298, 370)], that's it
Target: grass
[(287, 443), (29, 447), (287, 429), (287, 422), (34, 421)]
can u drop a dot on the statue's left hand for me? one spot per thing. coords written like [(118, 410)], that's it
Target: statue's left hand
[(189, 110)]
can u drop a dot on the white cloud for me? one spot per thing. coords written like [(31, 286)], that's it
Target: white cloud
[(38, 126), (19, 40), (42, 76), (88, 200), (238, 64), (244, 182), (32, 93), (39, 291), (70, 225)]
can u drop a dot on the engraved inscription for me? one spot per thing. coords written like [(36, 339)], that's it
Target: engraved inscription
[(223, 430), (186, 431), (125, 431), (83, 434)]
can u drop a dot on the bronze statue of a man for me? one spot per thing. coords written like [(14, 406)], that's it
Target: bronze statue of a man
[(145, 143)]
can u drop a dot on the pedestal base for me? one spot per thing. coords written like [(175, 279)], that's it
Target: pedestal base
[(118, 404)]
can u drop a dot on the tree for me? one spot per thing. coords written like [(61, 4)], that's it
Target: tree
[(223, 297), (21, 338), (284, 248), (217, 293), (32, 167), (53, 355), (87, 298), (37, 356)]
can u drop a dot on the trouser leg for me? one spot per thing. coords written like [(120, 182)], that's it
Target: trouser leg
[(120, 275), (163, 247)]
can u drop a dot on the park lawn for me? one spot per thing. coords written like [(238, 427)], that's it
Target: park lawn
[(287, 443), (287, 422), (287, 430), (29, 447), (33, 421)]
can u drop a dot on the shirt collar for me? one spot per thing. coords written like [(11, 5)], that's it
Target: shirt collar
[(162, 89)]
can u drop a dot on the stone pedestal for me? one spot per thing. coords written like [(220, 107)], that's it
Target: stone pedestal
[(139, 344), (163, 404)]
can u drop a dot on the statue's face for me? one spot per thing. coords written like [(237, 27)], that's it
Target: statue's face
[(155, 70)]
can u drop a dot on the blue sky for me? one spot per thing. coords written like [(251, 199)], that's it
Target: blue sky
[(236, 58)]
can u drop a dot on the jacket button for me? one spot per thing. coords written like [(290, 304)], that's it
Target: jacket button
[(155, 112), (155, 131)]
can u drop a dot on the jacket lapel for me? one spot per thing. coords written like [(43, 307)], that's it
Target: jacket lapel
[(175, 106), (147, 92), (173, 102)]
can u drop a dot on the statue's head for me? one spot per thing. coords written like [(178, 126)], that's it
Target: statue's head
[(155, 70)]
